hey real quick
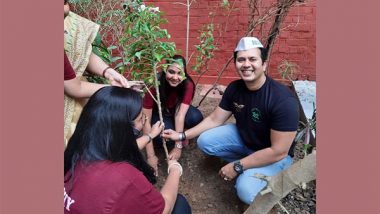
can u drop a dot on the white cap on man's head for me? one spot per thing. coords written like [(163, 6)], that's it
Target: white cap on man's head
[(246, 43)]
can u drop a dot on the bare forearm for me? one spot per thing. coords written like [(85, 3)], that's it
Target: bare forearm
[(280, 145), (150, 150), (170, 190), (261, 158), (96, 65), (179, 119), (143, 141), (146, 130), (179, 123), (81, 89), (216, 118), (206, 124)]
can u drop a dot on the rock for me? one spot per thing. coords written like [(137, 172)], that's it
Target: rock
[(306, 195)]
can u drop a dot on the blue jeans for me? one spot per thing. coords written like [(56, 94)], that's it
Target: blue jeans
[(225, 142), (181, 206), (193, 117)]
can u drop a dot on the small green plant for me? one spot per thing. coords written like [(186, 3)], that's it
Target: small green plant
[(208, 43), (205, 48), (109, 15), (288, 70), (225, 3), (146, 49), (304, 131)]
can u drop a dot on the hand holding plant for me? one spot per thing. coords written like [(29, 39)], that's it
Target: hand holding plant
[(156, 129)]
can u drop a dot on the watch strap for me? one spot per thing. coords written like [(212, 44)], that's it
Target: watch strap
[(238, 167)]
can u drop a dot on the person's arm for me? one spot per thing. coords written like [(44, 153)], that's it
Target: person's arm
[(142, 142), (147, 129), (216, 118), (179, 122), (170, 189), (281, 142), (152, 159), (147, 137), (96, 66), (76, 88)]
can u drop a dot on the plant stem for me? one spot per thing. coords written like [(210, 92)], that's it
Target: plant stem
[(156, 86), (217, 80)]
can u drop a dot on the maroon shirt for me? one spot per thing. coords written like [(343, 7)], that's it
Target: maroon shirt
[(69, 71), (105, 187), (148, 101)]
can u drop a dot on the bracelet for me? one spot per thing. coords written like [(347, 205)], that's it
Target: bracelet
[(179, 145), (150, 138), (104, 71), (182, 136), (176, 164)]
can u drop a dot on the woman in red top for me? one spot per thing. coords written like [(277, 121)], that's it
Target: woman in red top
[(104, 169), (176, 92)]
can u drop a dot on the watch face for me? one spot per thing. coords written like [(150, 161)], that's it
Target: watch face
[(238, 167), (178, 145)]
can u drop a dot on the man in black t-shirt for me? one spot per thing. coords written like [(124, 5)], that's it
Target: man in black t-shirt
[(266, 114)]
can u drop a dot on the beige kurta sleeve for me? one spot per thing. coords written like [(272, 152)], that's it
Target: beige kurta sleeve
[(79, 34)]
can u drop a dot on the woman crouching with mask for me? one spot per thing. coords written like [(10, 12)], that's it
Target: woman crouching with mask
[(105, 171)]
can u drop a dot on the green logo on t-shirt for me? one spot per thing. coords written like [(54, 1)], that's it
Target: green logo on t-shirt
[(256, 115)]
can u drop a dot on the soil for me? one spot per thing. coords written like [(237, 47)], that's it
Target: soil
[(207, 193)]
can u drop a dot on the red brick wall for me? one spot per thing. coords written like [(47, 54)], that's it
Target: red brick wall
[(296, 43)]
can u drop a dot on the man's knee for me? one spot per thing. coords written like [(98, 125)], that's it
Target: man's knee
[(203, 143), (248, 188)]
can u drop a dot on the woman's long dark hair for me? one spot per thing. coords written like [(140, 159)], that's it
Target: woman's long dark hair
[(165, 87), (105, 131)]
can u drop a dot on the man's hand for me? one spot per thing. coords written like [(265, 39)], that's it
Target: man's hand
[(227, 172)]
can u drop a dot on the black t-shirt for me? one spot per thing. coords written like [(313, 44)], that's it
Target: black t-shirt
[(273, 106)]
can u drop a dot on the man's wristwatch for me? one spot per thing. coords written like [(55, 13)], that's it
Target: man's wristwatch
[(238, 167), (179, 145)]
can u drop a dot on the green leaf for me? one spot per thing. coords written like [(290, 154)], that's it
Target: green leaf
[(114, 59), (120, 65), (225, 3), (138, 54), (121, 69), (158, 56), (111, 47), (98, 39)]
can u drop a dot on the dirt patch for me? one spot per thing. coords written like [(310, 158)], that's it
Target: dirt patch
[(207, 193)]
